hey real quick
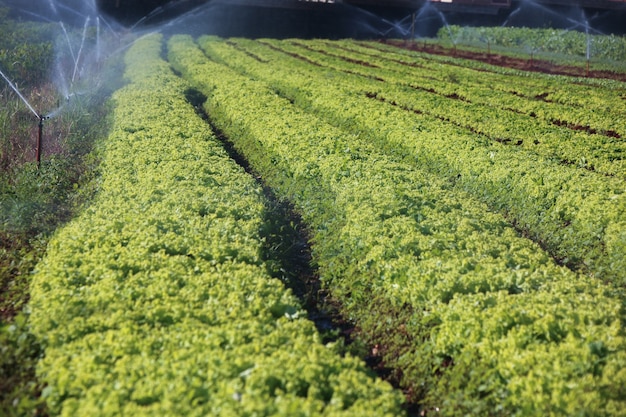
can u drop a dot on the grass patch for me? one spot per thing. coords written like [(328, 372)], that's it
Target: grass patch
[(34, 201)]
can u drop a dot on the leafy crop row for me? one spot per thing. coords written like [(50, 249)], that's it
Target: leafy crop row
[(549, 93), (476, 319), (577, 215), (155, 301), (487, 105), (569, 91)]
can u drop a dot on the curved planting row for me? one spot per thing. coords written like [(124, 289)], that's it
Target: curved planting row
[(475, 319), (563, 133), (578, 216), (547, 102), (566, 91), (155, 300), (549, 98)]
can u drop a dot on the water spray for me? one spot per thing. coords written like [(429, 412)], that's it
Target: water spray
[(40, 117), (69, 42), (53, 7), (588, 51), (80, 50), (19, 94), (75, 49), (98, 47)]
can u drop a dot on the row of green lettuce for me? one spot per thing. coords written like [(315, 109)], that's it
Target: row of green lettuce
[(567, 90), (577, 215), (474, 319), (156, 301), (487, 105), (570, 92), (558, 41)]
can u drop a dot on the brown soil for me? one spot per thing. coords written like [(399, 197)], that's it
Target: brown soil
[(529, 64)]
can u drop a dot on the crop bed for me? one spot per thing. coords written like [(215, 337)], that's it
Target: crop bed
[(469, 219), (155, 301)]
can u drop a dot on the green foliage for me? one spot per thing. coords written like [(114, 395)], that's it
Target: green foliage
[(26, 51), (156, 300), (559, 41), (479, 320), (33, 202), (572, 212), (19, 353), (542, 117)]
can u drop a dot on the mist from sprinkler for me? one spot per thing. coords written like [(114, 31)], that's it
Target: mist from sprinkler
[(80, 50), (19, 94), (69, 43), (176, 19), (39, 117), (580, 24), (428, 13), (147, 17), (419, 23), (74, 55), (511, 16), (532, 7), (390, 26), (38, 16), (98, 46), (53, 7), (66, 75)]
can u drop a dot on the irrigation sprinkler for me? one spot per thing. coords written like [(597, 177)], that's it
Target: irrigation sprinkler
[(32, 109), (40, 117), (39, 141)]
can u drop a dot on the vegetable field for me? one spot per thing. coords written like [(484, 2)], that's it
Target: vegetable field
[(470, 220), (554, 41)]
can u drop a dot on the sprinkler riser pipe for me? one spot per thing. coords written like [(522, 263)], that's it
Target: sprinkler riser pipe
[(39, 141)]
